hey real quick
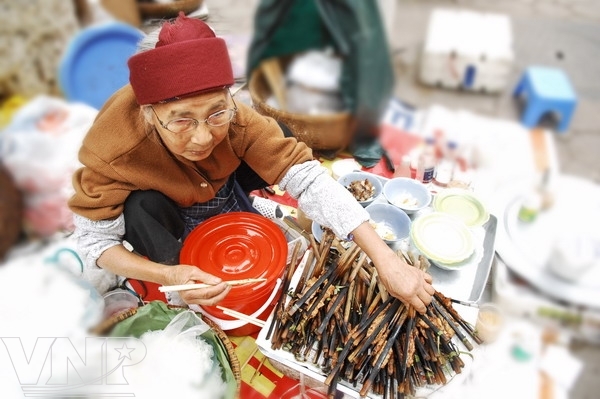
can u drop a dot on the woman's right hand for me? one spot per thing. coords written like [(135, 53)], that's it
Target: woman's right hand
[(186, 274), (121, 262)]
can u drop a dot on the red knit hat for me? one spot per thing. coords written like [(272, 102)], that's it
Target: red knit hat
[(187, 59)]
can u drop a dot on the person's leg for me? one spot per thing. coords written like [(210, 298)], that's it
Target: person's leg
[(153, 226)]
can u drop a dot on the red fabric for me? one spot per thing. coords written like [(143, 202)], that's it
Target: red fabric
[(188, 59), (260, 380), (397, 142)]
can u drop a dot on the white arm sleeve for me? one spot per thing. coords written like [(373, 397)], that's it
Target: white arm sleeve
[(95, 237), (323, 199)]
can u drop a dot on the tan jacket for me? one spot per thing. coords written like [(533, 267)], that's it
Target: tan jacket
[(120, 157)]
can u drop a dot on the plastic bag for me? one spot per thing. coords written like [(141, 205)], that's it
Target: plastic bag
[(49, 298), (39, 149), (156, 315), (186, 324)]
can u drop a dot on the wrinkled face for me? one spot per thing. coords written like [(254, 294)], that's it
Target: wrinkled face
[(183, 126)]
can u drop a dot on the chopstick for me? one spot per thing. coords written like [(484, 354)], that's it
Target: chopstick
[(465, 303), (185, 287), (293, 224), (241, 316)]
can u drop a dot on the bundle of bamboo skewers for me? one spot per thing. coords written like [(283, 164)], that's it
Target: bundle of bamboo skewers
[(343, 321)]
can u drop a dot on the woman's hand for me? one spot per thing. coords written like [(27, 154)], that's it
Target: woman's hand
[(405, 282), (121, 262), (185, 274)]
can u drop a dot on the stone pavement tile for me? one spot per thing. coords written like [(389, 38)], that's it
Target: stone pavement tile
[(577, 152), (550, 9), (588, 384), (587, 11)]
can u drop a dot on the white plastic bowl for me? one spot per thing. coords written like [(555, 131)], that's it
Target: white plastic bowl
[(316, 231), (407, 194), (389, 217)]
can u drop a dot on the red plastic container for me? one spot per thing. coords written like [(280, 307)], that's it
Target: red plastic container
[(235, 246)]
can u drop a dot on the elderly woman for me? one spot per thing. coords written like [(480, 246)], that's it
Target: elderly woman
[(172, 149)]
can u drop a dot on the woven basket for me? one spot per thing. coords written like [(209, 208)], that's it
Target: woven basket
[(106, 326), (11, 212), (167, 10), (331, 132)]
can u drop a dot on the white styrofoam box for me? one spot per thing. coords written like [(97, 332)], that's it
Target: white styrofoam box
[(468, 50)]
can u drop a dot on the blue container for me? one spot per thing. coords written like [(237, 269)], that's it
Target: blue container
[(94, 65)]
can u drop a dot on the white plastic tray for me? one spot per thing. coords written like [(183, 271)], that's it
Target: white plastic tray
[(526, 248), (468, 283)]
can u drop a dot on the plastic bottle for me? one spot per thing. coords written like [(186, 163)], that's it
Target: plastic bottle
[(426, 162), (414, 161), (403, 170), (444, 172), (440, 144)]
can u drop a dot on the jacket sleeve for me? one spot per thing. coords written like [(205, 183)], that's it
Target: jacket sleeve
[(99, 190), (260, 142), (95, 237), (323, 199), (100, 193)]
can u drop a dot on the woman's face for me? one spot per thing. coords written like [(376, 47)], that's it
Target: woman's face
[(197, 143)]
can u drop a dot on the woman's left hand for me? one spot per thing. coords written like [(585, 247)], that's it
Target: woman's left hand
[(405, 282)]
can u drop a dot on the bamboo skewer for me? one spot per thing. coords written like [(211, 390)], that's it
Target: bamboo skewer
[(315, 247), (471, 304), (342, 321), (307, 266), (249, 357), (241, 316), (258, 368), (185, 287), (455, 327), (293, 224), (280, 303)]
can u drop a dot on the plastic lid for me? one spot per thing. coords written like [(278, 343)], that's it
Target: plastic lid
[(95, 63), (237, 245), (463, 204), (442, 238)]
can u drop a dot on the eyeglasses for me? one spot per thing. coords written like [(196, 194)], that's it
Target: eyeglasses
[(184, 125)]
